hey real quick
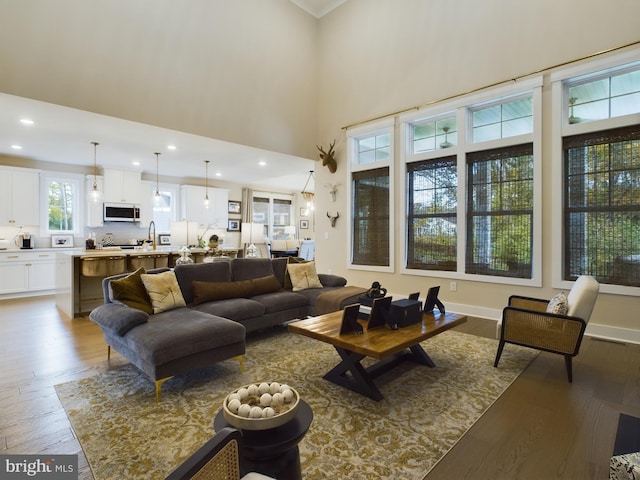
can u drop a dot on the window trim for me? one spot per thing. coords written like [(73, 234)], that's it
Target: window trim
[(561, 128), (79, 202), (353, 135)]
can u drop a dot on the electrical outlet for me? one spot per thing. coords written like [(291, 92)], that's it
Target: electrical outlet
[(453, 286)]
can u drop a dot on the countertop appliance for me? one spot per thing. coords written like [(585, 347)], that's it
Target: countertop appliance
[(25, 240)]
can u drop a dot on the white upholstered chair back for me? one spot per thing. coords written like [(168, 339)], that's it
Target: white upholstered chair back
[(582, 297)]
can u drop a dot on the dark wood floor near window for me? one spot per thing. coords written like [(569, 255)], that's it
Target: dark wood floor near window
[(542, 427)]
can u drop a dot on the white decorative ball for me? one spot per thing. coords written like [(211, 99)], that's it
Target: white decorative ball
[(277, 399), (274, 388), (256, 412), (234, 396), (287, 395), (265, 399), (264, 388), (253, 390), (234, 405), (244, 410), (243, 393), (268, 412)]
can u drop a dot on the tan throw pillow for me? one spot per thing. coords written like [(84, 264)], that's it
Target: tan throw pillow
[(131, 292), (303, 276), (558, 304), (287, 277), (163, 290)]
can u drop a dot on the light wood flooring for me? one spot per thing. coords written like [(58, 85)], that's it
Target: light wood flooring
[(541, 428)]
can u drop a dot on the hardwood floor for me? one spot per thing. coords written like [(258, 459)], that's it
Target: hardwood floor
[(542, 427)]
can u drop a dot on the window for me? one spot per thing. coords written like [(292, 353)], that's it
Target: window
[(473, 191), (500, 211), (502, 120), (432, 214), (164, 208), (62, 209), (371, 217), (602, 206), (603, 96), (275, 213), (371, 192)]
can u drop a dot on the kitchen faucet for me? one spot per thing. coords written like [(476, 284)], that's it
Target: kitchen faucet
[(149, 237)]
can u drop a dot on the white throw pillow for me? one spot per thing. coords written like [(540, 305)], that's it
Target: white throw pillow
[(163, 290)]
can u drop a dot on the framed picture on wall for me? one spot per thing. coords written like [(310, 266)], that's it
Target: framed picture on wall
[(304, 224), (233, 226), (304, 212), (234, 206), (164, 239)]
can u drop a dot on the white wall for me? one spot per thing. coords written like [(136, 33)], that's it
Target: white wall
[(379, 57)]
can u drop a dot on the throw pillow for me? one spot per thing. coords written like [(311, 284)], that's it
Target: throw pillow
[(558, 304), (163, 290), (213, 291), (131, 292), (303, 276), (287, 278), (262, 285)]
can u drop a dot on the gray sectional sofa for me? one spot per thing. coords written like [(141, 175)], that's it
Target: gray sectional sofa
[(224, 300)]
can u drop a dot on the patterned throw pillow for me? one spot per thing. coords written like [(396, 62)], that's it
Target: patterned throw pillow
[(558, 304), (164, 291), (130, 291), (303, 276)]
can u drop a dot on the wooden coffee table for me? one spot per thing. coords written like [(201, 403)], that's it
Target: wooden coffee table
[(388, 346)]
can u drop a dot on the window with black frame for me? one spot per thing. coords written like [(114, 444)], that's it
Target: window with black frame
[(500, 212), (432, 187), (602, 206), (370, 235)]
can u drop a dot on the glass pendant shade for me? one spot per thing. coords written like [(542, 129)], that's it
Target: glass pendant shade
[(95, 195), (157, 198), (206, 184)]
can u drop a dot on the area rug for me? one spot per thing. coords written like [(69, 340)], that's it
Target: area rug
[(125, 434)]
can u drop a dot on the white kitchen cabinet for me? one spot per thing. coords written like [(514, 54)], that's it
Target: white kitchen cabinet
[(193, 208), (94, 209), (19, 197), (27, 272), (121, 186)]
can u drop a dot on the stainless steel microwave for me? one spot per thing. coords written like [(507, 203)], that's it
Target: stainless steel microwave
[(121, 212)]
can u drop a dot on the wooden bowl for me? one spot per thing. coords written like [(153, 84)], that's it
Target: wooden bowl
[(244, 423)]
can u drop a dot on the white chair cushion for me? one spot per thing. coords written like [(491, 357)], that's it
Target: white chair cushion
[(255, 476), (582, 297)]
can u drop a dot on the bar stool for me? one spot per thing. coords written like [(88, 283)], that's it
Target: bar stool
[(99, 266)]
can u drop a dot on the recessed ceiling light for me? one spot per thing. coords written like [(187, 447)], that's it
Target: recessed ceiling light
[(218, 174), (16, 147), (262, 163), (26, 121), (136, 163), (171, 147)]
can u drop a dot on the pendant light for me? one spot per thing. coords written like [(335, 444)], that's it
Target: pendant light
[(157, 199), (206, 184), (307, 195), (95, 195)]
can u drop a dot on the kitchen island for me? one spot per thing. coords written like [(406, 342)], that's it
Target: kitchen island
[(79, 273)]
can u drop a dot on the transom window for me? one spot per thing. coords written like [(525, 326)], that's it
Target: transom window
[(427, 136), (603, 97), (502, 120), (375, 148)]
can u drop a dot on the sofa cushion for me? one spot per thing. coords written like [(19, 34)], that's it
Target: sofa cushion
[(303, 275), (203, 272), (118, 318), (280, 301), (250, 268), (164, 291), (237, 309), (279, 266), (131, 292), (198, 332)]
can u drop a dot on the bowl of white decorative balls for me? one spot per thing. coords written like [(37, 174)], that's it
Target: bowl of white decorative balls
[(260, 406)]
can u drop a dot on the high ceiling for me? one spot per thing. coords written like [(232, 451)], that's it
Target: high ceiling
[(64, 135)]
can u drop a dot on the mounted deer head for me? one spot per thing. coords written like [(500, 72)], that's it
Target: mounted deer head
[(333, 189), (327, 158), (333, 219)]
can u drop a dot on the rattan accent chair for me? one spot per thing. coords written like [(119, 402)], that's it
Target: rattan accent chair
[(525, 322), (218, 459)]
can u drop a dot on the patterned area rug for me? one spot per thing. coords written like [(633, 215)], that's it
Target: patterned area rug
[(126, 434)]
